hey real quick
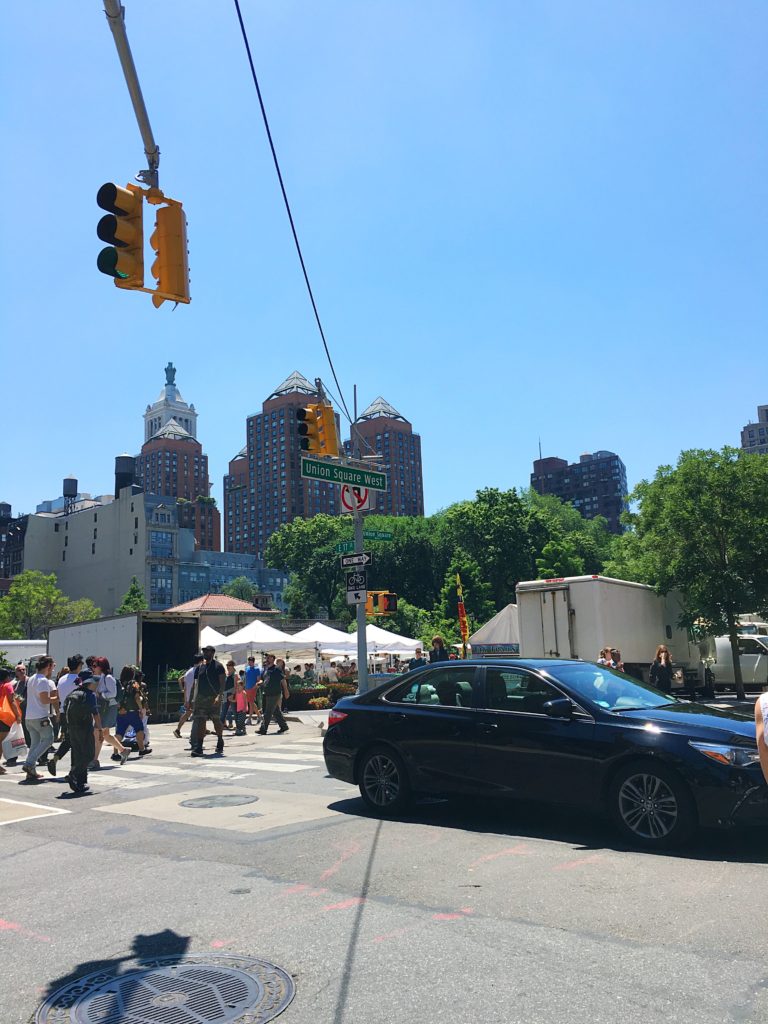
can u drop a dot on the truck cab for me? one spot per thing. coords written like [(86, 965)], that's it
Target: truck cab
[(753, 656)]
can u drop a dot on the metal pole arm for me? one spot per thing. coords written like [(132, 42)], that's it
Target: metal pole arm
[(116, 19)]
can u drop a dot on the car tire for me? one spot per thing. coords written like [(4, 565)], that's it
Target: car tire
[(383, 781), (651, 806)]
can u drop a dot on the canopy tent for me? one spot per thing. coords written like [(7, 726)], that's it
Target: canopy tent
[(499, 636), (321, 636), (378, 641), (210, 637), (256, 638)]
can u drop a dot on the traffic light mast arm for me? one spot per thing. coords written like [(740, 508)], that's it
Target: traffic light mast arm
[(115, 13)]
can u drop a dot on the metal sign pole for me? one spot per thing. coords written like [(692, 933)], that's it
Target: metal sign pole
[(362, 644)]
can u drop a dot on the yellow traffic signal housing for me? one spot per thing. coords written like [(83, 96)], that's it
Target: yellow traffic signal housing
[(371, 602), (123, 229), (329, 435), (380, 602), (170, 268), (310, 420)]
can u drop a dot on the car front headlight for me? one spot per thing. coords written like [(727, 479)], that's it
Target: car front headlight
[(737, 757)]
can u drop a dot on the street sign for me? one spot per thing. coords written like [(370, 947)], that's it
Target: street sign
[(315, 469), (356, 499), (345, 545), (377, 535), (364, 558), (357, 584)]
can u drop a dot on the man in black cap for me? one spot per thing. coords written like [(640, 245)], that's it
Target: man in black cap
[(82, 713), (210, 678)]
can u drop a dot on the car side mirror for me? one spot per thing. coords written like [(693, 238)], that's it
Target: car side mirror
[(560, 707)]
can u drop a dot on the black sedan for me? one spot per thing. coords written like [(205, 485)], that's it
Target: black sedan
[(560, 731)]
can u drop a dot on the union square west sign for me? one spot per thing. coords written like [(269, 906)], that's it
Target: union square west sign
[(332, 473)]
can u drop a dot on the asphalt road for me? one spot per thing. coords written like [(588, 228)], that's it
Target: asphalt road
[(462, 912)]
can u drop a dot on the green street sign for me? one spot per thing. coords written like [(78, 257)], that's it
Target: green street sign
[(315, 469), (345, 546), (377, 535)]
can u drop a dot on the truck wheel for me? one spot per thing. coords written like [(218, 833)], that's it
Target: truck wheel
[(384, 782), (651, 806)]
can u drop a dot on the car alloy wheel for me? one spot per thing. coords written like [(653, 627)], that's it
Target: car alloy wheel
[(648, 806), (383, 781), (652, 806)]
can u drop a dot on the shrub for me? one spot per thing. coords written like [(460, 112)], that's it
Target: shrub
[(319, 703)]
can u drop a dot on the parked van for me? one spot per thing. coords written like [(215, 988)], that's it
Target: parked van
[(753, 656)]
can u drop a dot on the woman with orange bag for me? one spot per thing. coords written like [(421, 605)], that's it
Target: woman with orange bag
[(9, 708)]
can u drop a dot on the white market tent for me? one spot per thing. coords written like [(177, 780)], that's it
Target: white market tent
[(210, 637), (380, 641), (323, 636), (499, 636), (256, 638)]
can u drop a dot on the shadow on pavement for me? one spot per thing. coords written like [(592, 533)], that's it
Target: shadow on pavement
[(577, 828), (144, 947)]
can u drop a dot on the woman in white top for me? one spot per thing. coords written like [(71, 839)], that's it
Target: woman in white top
[(41, 701), (761, 727), (106, 695)]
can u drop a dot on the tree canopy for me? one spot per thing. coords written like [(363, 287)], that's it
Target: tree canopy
[(34, 603), (133, 600), (242, 588)]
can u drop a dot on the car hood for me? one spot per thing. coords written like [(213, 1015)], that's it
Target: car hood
[(695, 718)]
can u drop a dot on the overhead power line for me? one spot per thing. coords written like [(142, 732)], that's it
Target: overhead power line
[(288, 210)]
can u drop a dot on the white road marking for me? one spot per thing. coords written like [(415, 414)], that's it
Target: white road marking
[(45, 810)]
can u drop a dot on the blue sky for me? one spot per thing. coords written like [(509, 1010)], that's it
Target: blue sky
[(521, 221)]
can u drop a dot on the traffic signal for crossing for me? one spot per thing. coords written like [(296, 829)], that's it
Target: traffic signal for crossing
[(380, 602), (329, 434), (309, 418), (388, 604), (170, 268), (317, 429), (123, 229)]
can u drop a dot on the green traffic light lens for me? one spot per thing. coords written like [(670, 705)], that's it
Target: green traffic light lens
[(107, 263)]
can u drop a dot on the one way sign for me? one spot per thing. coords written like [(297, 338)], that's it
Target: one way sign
[(362, 559)]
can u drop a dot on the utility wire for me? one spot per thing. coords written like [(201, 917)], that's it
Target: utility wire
[(288, 209)]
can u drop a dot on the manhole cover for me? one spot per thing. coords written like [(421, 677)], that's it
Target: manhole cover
[(225, 800), (175, 990)]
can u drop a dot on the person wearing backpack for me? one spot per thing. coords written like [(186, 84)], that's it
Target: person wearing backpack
[(82, 714), (108, 693)]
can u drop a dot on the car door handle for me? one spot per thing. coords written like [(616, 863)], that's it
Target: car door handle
[(488, 726), (400, 716)]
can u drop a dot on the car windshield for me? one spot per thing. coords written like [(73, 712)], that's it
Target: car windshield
[(608, 689)]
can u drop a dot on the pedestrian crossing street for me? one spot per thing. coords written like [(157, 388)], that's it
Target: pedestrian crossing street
[(170, 762)]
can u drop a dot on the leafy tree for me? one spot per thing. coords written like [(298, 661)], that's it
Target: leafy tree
[(34, 603), (559, 557), (477, 593), (408, 620), (702, 528), (134, 599), (580, 545), (242, 588), (306, 548)]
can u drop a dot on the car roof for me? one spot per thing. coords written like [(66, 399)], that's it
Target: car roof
[(539, 663)]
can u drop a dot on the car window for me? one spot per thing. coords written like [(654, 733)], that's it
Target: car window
[(515, 690), (749, 646), (446, 687)]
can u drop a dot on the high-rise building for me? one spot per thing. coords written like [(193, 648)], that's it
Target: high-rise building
[(264, 487), (596, 485), (383, 431), (172, 463), (754, 437)]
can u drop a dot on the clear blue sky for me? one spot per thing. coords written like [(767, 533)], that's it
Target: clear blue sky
[(521, 221)]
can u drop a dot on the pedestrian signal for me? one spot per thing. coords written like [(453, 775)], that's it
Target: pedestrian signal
[(380, 602), (170, 268), (123, 229)]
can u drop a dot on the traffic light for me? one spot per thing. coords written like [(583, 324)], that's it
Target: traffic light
[(380, 602), (388, 604), (123, 229), (329, 435), (170, 268), (309, 418)]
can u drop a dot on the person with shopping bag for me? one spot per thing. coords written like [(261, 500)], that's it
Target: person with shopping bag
[(10, 713)]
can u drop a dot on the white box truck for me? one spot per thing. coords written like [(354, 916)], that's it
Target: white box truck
[(575, 617), (152, 640), (716, 655)]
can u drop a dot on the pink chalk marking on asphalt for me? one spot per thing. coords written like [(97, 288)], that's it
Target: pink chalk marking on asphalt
[(317, 892), (221, 943), (391, 935), (346, 852), (509, 851), (569, 865), (462, 913), (14, 926), (353, 901), (299, 887)]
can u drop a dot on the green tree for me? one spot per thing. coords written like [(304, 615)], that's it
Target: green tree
[(306, 548), (477, 593), (242, 588), (34, 603), (134, 599), (559, 557), (702, 528)]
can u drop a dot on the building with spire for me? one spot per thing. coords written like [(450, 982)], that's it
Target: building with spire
[(172, 463), (264, 488), (385, 432)]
